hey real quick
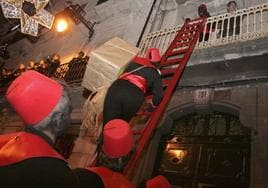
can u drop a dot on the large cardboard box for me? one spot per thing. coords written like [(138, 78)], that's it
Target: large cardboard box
[(106, 61)]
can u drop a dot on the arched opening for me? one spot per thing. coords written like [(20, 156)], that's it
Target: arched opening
[(205, 150)]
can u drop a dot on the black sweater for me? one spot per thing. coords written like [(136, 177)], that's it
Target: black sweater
[(153, 80)]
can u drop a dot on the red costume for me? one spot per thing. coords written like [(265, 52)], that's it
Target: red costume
[(30, 145), (158, 182), (26, 158), (101, 177)]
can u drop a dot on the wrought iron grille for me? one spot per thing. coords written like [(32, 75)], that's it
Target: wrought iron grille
[(215, 124), (71, 73), (209, 150)]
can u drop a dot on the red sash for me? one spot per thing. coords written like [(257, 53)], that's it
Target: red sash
[(137, 80), (16, 147)]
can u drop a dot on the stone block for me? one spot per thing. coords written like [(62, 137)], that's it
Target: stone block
[(106, 61)]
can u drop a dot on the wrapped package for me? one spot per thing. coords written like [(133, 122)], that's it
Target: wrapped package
[(106, 61)]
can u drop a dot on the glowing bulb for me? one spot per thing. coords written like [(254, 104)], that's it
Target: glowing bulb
[(62, 25), (177, 155)]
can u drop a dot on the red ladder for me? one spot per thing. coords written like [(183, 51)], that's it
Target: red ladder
[(172, 65)]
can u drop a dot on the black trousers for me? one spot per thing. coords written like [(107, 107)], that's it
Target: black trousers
[(38, 172), (122, 101), (88, 179)]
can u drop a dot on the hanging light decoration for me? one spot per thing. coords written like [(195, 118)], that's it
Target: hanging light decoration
[(30, 12)]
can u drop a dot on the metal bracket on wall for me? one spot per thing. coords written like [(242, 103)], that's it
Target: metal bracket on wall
[(77, 13)]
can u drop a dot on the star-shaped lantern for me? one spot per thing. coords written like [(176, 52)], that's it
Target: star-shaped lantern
[(30, 12)]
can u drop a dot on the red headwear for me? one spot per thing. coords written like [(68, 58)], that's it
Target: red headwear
[(158, 182), (33, 96), (153, 55), (202, 6), (118, 139)]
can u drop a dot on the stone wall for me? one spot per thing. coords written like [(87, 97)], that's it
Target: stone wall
[(173, 12), (249, 102), (124, 19)]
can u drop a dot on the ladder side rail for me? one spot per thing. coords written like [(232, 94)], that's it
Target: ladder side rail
[(156, 115)]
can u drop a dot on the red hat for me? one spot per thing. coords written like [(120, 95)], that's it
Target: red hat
[(153, 55), (118, 139), (158, 182), (33, 96), (202, 6)]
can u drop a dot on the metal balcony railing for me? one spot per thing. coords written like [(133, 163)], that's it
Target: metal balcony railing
[(244, 25), (71, 73)]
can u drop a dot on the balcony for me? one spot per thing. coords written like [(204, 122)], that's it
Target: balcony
[(224, 29), (246, 25)]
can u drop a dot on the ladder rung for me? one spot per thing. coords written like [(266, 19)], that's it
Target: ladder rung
[(168, 71), (173, 61), (143, 113), (166, 82), (135, 132), (183, 40), (191, 28), (188, 34), (180, 51), (188, 43)]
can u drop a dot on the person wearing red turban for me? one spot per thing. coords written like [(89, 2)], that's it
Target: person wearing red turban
[(27, 158)]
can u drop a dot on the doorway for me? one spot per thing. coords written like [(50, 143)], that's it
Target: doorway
[(205, 151)]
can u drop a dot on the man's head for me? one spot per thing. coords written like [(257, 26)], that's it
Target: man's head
[(41, 62), (202, 10), (81, 54), (31, 64), (42, 103), (153, 55), (231, 7), (55, 57), (86, 58), (21, 66)]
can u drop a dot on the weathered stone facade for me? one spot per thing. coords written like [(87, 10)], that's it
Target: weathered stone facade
[(247, 101), (235, 87)]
